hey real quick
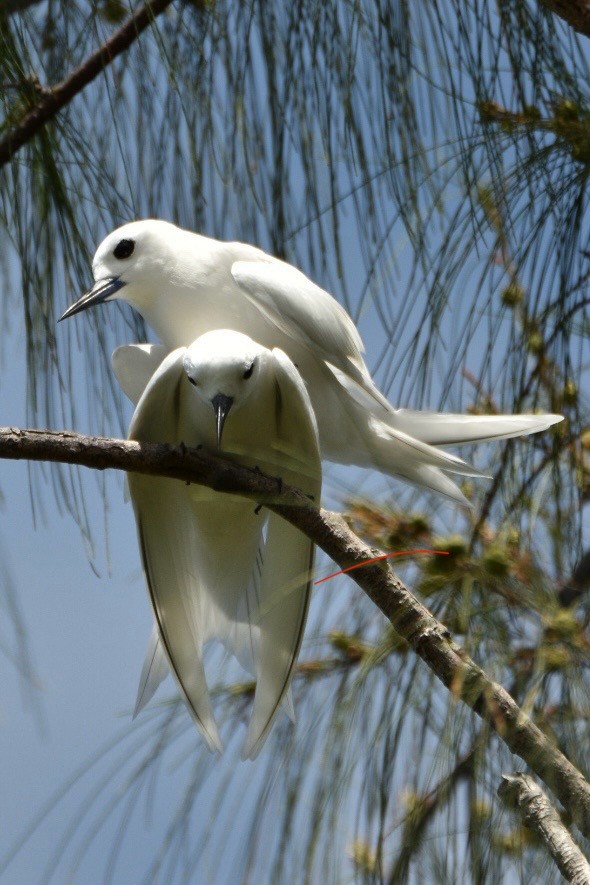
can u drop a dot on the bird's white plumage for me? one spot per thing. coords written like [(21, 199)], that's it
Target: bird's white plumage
[(185, 284), (211, 574), (445, 428), (134, 365), (302, 311)]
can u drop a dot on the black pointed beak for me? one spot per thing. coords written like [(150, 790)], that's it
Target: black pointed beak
[(101, 291), (222, 404)]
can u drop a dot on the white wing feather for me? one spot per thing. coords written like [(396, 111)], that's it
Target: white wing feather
[(169, 549), (285, 586), (170, 556), (285, 594), (303, 311)]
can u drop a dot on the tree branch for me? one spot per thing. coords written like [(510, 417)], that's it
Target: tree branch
[(429, 638), (520, 791), (575, 12), (52, 100), (154, 459), (422, 812)]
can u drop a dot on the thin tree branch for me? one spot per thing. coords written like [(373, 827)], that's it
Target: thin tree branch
[(424, 809), (575, 12), (53, 99), (522, 792), (428, 637)]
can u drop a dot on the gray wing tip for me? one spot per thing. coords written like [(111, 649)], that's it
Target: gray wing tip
[(551, 419), (209, 733), (254, 743), (252, 747), (215, 745), (255, 739), (141, 703)]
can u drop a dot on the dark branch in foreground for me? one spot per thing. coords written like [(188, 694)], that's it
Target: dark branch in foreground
[(429, 638), (9, 7), (575, 12), (578, 583), (520, 791), (176, 462), (52, 100)]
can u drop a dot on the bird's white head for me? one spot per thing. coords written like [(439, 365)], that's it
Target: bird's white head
[(224, 367), (131, 263)]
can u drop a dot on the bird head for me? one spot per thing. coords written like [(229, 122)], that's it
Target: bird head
[(130, 264), (224, 368)]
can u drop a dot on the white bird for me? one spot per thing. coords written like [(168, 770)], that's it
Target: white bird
[(184, 284), (217, 566)]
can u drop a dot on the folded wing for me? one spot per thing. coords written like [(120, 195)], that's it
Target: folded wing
[(285, 584), (169, 548), (303, 311)]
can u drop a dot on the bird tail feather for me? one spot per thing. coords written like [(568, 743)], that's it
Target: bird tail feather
[(440, 429)]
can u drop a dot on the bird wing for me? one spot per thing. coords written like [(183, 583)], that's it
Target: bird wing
[(286, 574), (169, 547), (303, 311), (240, 641), (296, 435), (134, 365)]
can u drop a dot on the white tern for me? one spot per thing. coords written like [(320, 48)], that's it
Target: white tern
[(217, 566), (184, 285)]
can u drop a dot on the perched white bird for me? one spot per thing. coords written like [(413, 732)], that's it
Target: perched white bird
[(217, 566), (185, 284)]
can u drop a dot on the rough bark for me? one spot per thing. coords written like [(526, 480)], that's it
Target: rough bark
[(520, 791), (429, 638)]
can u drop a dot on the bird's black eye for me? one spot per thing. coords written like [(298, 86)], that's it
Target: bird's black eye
[(192, 380), (248, 372), (124, 248)]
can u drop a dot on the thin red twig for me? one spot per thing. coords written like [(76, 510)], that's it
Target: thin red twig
[(377, 559)]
